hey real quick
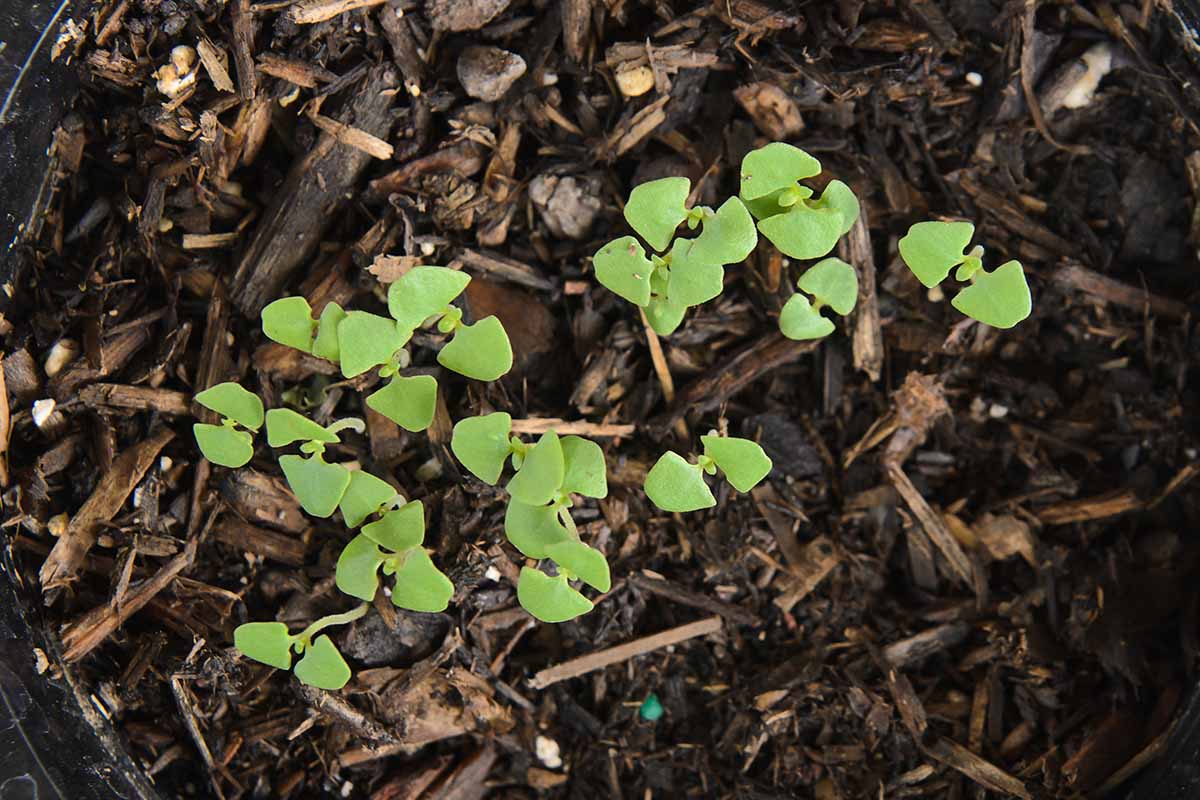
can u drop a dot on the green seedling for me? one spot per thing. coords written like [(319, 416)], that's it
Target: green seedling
[(321, 666), (787, 214), (318, 485), (999, 298), (832, 283), (225, 444), (676, 484)]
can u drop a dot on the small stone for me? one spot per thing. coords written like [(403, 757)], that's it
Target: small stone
[(462, 15), (567, 204), (548, 752), (62, 353), (974, 79), (42, 409), (488, 72), (635, 81)]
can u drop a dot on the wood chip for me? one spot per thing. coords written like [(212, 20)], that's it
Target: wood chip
[(349, 135), (818, 560), (983, 772), (915, 649), (1102, 287), (214, 60), (310, 12), (600, 430), (686, 597), (208, 241), (137, 398), (1110, 504)]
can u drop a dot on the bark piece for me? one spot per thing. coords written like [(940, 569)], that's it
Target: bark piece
[(462, 15)]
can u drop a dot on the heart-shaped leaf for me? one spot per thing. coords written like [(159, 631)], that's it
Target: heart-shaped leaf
[(586, 562), (728, 236), (265, 642), (422, 292), (223, 445), (363, 497), (622, 267), (549, 599), (480, 351), (840, 198), (531, 529), (586, 472), (800, 321), (289, 321), (400, 528), (832, 282), (999, 298), (233, 402), (285, 426), (409, 402), (541, 475), (932, 249), (804, 232), (664, 315), (323, 666), (326, 344), (655, 209), (776, 166), (481, 444), (367, 340), (692, 281), (357, 572), (317, 485), (675, 485), (743, 461), (420, 585)]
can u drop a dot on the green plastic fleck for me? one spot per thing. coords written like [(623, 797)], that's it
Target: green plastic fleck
[(363, 497), (832, 282), (651, 709), (692, 281), (420, 585), (285, 426), (480, 351), (664, 315), (585, 562), (224, 446), (409, 402), (675, 485), (776, 166), (326, 344), (622, 267), (400, 528), (265, 642), (656, 208), (232, 401), (323, 666), (728, 236), (317, 485), (549, 599), (932, 249), (357, 572), (586, 471), (481, 444), (423, 292), (999, 298), (367, 340), (743, 461), (804, 232), (532, 529), (541, 475), (289, 321), (839, 197), (800, 321)]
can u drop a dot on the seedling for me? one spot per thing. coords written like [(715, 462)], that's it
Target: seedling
[(322, 665), (538, 520), (676, 484), (225, 444), (999, 298), (318, 485), (832, 283)]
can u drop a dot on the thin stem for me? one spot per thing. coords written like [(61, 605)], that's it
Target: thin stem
[(349, 423), (564, 516), (345, 617)]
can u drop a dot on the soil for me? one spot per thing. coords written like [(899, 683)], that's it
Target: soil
[(970, 573)]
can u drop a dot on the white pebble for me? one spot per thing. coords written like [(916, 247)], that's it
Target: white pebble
[(975, 79), (492, 574), (547, 752), (998, 411), (62, 353), (42, 409)]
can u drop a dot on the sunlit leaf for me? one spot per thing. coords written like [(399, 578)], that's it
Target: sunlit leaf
[(265, 642), (622, 267), (422, 292), (803, 232), (932, 249), (285, 426), (317, 485), (541, 474), (409, 402), (585, 562), (800, 321), (481, 444), (549, 599), (289, 321), (728, 236), (326, 344), (692, 281), (832, 282), (776, 166), (357, 572), (655, 209), (742, 461), (675, 485), (839, 197), (420, 585), (232, 401), (323, 666), (363, 497), (480, 351), (531, 529), (224, 446), (400, 528), (367, 340), (586, 472), (664, 315), (999, 298)]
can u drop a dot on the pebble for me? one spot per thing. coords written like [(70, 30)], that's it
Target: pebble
[(567, 204), (635, 82), (62, 353), (548, 752), (462, 15), (488, 72)]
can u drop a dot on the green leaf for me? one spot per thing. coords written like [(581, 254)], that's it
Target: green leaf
[(832, 282), (224, 446), (768, 205), (743, 461), (232, 401), (622, 267), (480, 351), (728, 236), (317, 485), (585, 470), (531, 529), (285, 426), (357, 572), (773, 167), (408, 402), (367, 340), (692, 281), (422, 292), (420, 585), (932, 249), (363, 497), (664, 315), (265, 642), (840, 198), (400, 528), (481, 444), (541, 475), (289, 321), (804, 232), (675, 485), (800, 321), (655, 209), (549, 599), (326, 344), (586, 562), (323, 666), (999, 298)]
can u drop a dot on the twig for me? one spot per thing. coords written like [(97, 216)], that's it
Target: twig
[(539, 425), (867, 338), (333, 706), (312, 11), (694, 599), (660, 361)]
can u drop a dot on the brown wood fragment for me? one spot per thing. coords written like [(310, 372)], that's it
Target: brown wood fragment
[(336, 708), (502, 267), (208, 241), (678, 594), (908, 704), (310, 12), (136, 398), (1006, 536), (765, 498), (214, 59), (358, 139), (1110, 504), (819, 558), (627, 134), (243, 42), (983, 772), (261, 542), (116, 351), (404, 48), (5, 426), (463, 159), (538, 426), (294, 71), (1102, 287), (265, 499), (773, 110), (576, 24), (867, 337), (917, 648)]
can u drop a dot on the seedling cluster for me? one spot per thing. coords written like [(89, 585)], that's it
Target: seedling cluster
[(676, 484)]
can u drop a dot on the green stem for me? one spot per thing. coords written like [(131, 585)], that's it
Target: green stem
[(349, 423), (305, 636), (564, 516)]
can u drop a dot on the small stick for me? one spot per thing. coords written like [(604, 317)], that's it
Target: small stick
[(539, 425), (623, 652), (312, 11), (660, 361), (686, 597)]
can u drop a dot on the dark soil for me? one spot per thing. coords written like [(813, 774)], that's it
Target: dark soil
[(998, 600)]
